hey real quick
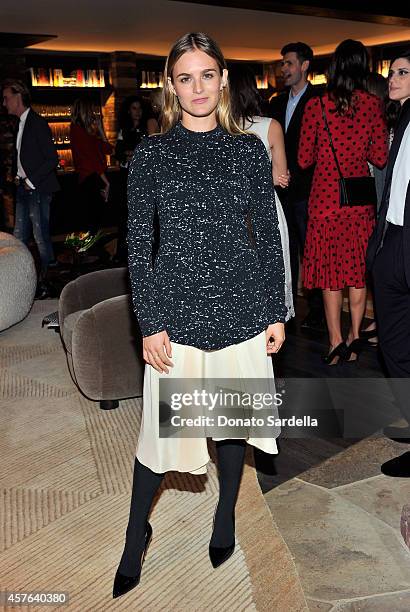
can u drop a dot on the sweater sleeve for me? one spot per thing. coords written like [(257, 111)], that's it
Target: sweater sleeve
[(141, 210), (307, 151), (266, 231)]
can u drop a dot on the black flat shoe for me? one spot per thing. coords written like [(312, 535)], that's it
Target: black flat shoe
[(353, 351), (399, 467), (220, 554), (123, 584), (335, 356)]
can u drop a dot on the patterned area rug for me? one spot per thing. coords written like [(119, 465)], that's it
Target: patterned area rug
[(65, 483)]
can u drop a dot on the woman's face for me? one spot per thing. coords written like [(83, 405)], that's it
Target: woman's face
[(135, 111), (197, 82), (399, 80)]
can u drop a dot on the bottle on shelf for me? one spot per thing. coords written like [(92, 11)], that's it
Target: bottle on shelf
[(80, 78), (33, 75), (59, 136), (57, 77), (44, 77)]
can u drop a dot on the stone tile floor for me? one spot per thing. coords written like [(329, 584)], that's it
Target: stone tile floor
[(341, 521)]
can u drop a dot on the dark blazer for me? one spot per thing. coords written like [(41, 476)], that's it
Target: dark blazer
[(38, 154), (376, 239), (300, 180)]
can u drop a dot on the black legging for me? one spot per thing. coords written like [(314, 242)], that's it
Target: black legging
[(231, 455)]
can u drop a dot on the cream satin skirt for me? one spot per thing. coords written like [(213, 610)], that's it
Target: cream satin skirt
[(244, 361)]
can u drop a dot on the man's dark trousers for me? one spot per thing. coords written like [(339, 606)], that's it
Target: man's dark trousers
[(392, 305)]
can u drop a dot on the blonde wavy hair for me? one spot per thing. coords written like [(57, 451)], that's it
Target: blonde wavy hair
[(171, 110)]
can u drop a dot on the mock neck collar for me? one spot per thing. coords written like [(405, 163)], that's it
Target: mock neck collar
[(194, 135)]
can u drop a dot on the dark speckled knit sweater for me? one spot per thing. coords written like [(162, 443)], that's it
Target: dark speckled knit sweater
[(209, 287)]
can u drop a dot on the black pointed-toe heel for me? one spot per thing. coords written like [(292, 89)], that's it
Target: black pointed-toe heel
[(220, 554), (123, 584), (335, 356), (353, 351)]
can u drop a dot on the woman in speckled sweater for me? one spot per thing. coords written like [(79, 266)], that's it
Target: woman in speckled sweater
[(212, 305)]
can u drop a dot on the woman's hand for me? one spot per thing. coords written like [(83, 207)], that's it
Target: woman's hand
[(157, 351), (282, 180), (275, 337)]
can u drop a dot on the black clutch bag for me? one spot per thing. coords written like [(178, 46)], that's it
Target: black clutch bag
[(356, 190)]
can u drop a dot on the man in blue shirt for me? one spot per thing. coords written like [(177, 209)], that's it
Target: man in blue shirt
[(294, 97), (287, 108)]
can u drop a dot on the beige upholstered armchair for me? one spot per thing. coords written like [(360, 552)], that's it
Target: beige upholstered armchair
[(101, 337), (18, 280)]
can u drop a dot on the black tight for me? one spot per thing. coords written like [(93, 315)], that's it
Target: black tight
[(144, 486), (231, 455)]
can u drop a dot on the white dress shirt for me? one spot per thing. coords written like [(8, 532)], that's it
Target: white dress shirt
[(20, 170), (400, 181)]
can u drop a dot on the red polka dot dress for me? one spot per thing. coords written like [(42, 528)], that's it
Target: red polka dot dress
[(336, 239)]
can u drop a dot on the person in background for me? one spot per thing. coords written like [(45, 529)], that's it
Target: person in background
[(135, 122), (388, 259), (287, 108), (35, 166), (246, 110), (90, 148), (337, 237)]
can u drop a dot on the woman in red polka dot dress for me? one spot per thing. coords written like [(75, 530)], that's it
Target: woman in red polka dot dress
[(336, 241)]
